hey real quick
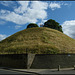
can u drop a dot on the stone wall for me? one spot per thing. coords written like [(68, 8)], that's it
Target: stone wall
[(42, 61), (13, 60), (37, 61)]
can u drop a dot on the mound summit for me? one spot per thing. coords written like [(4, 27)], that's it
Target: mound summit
[(38, 40)]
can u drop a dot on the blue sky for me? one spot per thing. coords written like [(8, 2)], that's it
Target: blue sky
[(16, 15)]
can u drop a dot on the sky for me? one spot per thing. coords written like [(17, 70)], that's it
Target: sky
[(16, 15)]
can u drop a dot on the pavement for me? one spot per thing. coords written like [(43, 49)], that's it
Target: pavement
[(50, 71), (5, 71), (43, 71)]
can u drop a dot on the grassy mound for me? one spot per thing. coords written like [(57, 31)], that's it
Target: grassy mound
[(39, 41)]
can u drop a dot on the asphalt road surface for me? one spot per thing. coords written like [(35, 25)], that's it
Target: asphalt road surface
[(37, 71), (58, 72), (4, 71)]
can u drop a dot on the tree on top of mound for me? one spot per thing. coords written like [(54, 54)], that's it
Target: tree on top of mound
[(31, 25), (53, 24)]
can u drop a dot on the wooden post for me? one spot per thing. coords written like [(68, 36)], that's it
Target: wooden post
[(58, 67)]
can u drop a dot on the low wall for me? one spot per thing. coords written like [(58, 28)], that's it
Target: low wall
[(13, 60), (46, 61), (37, 61)]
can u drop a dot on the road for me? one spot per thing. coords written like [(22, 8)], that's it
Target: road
[(58, 72), (51, 71), (4, 71), (37, 71)]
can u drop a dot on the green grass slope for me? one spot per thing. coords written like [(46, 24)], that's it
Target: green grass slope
[(39, 41)]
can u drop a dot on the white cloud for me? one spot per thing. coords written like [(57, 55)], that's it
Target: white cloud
[(27, 11), (23, 7), (26, 14), (54, 5), (69, 28), (8, 3), (42, 22), (2, 36), (5, 3), (4, 12), (39, 5), (16, 18), (13, 17), (17, 26)]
